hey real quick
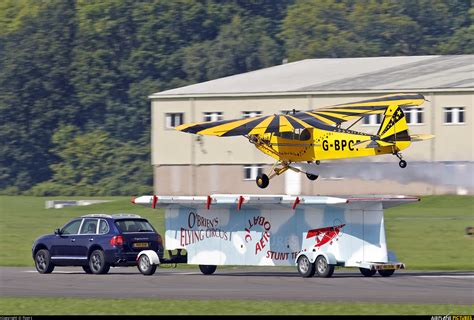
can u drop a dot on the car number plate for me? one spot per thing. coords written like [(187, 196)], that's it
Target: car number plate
[(140, 245)]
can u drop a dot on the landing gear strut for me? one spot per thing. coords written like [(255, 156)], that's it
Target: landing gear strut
[(402, 163), (263, 180)]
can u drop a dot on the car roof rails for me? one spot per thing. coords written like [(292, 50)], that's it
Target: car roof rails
[(125, 215), (97, 215)]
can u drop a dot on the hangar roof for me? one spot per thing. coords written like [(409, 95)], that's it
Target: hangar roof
[(343, 75)]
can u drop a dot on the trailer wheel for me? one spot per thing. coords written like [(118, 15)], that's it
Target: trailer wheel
[(145, 266), (324, 269), (207, 269), (367, 272), (305, 268), (386, 273)]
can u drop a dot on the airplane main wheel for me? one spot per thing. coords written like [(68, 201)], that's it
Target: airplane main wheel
[(262, 181), (402, 164), (312, 177)]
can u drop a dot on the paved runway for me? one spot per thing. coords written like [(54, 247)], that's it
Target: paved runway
[(244, 283)]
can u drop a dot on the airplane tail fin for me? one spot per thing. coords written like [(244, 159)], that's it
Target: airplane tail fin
[(393, 132), (394, 127)]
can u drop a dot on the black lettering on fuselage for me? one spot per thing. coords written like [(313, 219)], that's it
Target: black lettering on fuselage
[(351, 145), (339, 145), (325, 145)]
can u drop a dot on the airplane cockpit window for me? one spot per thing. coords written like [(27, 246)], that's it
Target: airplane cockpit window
[(305, 135), (298, 134)]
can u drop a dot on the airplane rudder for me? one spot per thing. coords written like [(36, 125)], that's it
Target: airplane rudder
[(393, 124)]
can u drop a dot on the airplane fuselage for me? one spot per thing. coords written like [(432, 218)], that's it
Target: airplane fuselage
[(323, 145)]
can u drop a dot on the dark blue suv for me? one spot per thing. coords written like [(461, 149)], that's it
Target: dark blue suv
[(97, 242)]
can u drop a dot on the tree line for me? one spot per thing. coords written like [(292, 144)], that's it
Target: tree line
[(75, 74)]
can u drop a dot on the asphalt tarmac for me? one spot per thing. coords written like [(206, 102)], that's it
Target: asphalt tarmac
[(242, 283)]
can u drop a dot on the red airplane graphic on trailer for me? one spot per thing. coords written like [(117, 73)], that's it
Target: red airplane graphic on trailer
[(324, 235)]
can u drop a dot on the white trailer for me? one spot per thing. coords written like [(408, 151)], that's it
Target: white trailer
[(315, 233)]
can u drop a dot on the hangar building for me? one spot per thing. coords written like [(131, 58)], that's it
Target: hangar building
[(187, 164)]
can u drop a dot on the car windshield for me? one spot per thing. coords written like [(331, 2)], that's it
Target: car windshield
[(134, 225)]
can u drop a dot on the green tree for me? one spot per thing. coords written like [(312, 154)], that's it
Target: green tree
[(35, 91), (243, 45), (462, 41), (314, 29), (93, 163), (381, 28)]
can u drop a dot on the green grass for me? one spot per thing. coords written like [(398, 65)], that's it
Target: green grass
[(73, 306), (426, 235), (23, 219), (430, 235)]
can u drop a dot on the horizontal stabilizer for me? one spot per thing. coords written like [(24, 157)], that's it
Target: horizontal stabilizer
[(373, 144), (421, 137)]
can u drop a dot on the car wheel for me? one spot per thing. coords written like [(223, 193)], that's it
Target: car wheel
[(305, 268), (43, 261), (324, 269), (386, 273), (145, 266), (367, 272), (87, 269), (207, 269), (97, 262)]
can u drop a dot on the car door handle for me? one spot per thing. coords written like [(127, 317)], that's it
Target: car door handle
[(91, 239), (73, 240)]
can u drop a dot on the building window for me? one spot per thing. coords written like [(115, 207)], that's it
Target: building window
[(213, 116), (372, 120), (250, 114), (174, 120), (454, 115), (414, 115), (251, 171)]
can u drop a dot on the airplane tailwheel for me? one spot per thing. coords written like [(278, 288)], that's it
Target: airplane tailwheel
[(312, 177), (262, 181), (402, 164)]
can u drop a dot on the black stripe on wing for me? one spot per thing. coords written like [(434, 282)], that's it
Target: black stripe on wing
[(330, 118), (203, 126), (312, 121), (294, 123), (355, 108), (392, 98), (274, 125), (244, 128)]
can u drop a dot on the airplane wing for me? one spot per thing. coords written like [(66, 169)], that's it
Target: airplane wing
[(320, 118), (247, 126), (335, 115)]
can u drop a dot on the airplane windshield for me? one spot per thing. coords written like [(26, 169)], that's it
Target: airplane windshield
[(298, 134)]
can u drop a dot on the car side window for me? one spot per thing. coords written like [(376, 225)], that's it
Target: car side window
[(103, 227), (89, 226), (71, 227)]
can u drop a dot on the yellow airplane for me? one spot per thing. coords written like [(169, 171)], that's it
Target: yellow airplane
[(312, 136)]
